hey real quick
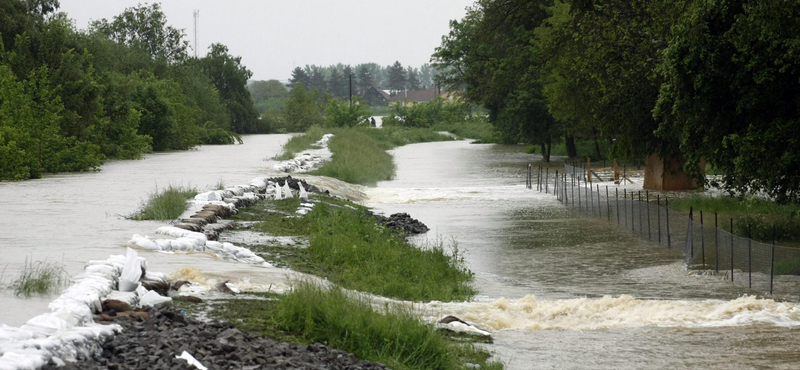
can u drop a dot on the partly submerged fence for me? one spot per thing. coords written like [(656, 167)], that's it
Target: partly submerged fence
[(709, 247)]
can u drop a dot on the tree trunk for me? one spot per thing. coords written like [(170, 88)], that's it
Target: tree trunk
[(543, 149), (597, 149), (572, 151), (547, 153)]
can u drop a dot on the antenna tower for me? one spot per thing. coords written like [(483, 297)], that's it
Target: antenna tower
[(196, 15)]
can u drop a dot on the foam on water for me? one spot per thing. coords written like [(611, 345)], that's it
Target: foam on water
[(376, 196), (531, 313)]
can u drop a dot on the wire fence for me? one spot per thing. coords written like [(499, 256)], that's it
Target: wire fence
[(708, 246)]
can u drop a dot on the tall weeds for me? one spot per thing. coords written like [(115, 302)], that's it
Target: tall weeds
[(165, 204), (39, 278)]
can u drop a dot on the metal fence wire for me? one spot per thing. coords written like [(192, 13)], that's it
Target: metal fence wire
[(708, 245)]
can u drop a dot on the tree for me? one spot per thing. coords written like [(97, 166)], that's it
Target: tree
[(412, 80), (317, 79), (146, 27), (302, 109), (730, 95), (341, 113), (365, 80), (397, 77), (426, 75), (230, 77), (268, 95), (337, 83), (299, 76)]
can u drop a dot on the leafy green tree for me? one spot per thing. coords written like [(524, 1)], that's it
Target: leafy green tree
[(337, 83), (145, 26), (268, 95), (341, 113), (426, 75), (365, 80), (299, 76), (317, 79), (302, 109), (730, 93), (230, 76), (412, 79), (397, 77)]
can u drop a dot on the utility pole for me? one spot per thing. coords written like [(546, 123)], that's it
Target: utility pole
[(196, 15), (350, 76)]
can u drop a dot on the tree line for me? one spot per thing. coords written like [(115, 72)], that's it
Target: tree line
[(693, 81), (70, 99), (335, 79)]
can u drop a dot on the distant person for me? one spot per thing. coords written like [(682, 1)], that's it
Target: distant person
[(372, 121)]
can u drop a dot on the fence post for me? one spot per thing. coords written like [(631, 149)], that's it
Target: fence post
[(586, 195), (702, 240), (625, 198), (599, 207), (608, 205), (589, 169), (731, 249), (616, 195), (547, 181), (691, 239), (647, 199), (641, 231), (716, 244), (772, 261), (579, 193), (669, 238), (572, 189), (633, 214), (555, 191), (749, 257), (658, 205)]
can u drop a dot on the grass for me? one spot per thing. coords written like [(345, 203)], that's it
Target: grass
[(352, 250), (481, 132), (393, 336), (39, 278), (761, 214), (220, 185), (787, 266), (165, 204), (299, 143), (359, 154)]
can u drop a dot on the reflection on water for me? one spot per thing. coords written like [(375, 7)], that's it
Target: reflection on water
[(540, 266)]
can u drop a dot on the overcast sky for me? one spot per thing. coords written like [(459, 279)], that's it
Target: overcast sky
[(274, 36)]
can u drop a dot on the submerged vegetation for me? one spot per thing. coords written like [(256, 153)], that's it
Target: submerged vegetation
[(758, 213), (351, 249), (39, 278), (165, 204), (392, 335)]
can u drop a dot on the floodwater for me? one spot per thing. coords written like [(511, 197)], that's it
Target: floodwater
[(557, 290), (72, 218), (560, 290)]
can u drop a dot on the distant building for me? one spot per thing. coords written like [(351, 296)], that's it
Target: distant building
[(374, 96), (418, 96)]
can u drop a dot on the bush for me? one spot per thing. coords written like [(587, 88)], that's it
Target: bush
[(343, 114), (167, 204)]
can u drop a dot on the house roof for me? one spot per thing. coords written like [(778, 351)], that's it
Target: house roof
[(421, 95)]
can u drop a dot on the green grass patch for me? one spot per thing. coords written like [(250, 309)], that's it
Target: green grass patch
[(393, 336), (299, 143), (351, 249), (165, 204), (39, 278), (359, 154), (479, 130), (788, 266), (759, 213)]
